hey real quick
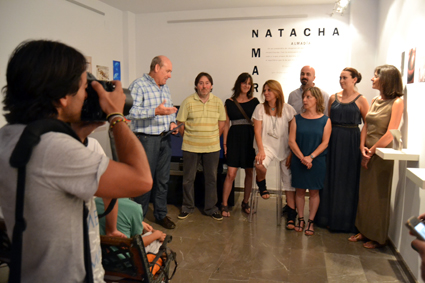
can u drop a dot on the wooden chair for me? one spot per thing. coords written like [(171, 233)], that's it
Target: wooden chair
[(125, 260)]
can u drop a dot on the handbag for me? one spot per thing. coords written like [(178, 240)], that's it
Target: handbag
[(243, 112)]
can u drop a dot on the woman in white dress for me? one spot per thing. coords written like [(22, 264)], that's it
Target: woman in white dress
[(271, 128)]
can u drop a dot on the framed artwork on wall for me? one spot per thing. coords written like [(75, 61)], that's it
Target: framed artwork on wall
[(117, 70), (102, 73), (411, 66)]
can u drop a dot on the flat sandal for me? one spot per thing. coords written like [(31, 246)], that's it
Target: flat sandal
[(309, 232), (300, 219), (357, 237)]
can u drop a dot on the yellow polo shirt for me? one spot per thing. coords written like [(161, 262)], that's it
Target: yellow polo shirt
[(201, 133)]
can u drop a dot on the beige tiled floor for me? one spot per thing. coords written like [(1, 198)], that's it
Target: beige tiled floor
[(234, 250)]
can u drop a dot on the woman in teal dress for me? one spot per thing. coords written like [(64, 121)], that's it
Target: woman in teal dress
[(308, 139)]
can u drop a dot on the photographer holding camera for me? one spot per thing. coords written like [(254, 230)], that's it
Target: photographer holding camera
[(47, 80)]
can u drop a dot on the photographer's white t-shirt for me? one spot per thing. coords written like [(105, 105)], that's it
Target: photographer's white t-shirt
[(61, 176)]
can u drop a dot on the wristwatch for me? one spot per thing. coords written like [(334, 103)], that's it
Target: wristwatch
[(312, 156)]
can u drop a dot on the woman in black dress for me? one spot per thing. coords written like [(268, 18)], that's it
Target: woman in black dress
[(238, 137), (339, 197)]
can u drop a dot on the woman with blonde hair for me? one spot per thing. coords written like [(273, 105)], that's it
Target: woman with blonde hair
[(271, 128), (308, 139)]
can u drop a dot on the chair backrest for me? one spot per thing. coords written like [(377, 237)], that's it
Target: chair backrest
[(126, 258), (122, 257)]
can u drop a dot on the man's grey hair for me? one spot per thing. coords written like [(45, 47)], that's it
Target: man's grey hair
[(156, 61)]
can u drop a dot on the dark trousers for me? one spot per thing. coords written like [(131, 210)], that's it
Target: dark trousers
[(210, 164), (158, 151)]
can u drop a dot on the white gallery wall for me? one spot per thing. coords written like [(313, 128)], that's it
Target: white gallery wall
[(105, 38), (401, 25), (370, 33), (269, 43), (102, 37)]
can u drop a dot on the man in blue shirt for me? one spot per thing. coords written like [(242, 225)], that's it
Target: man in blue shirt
[(152, 115)]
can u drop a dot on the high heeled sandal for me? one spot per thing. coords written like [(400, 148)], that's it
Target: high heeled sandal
[(290, 220), (245, 207), (300, 219), (309, 232)]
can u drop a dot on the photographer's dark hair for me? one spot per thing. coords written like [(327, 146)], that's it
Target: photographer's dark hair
[(242, 78), (38, 74)]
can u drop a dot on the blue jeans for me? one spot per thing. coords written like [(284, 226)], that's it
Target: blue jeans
[(210, 164), (158, 151)]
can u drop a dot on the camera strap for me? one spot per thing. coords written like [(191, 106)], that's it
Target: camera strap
[(21, 154)]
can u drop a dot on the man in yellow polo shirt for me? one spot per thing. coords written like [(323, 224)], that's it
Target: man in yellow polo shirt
[(203, 116)]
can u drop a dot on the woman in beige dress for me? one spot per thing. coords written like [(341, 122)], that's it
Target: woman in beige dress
[(385, 114)]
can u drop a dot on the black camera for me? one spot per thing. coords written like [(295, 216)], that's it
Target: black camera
[(91, 108)]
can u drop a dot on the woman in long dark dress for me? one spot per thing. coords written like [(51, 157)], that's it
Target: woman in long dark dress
[(386, 110), (238, 136), (308, 139), (339, 197)]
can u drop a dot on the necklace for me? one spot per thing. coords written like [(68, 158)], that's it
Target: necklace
[(273, 133), (273, 108)]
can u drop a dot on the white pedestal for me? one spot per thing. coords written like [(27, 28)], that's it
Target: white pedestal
[(417, 176), (399, 197), (397, 155)]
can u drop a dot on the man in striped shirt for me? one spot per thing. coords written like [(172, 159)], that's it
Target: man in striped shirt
[(203, 116), (152, 115)]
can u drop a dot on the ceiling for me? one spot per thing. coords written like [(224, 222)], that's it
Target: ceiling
[(157, 6)]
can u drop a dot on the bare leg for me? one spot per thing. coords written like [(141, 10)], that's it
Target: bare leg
[(314, 203), (227, 187), (261, 176), (261, 172), (290, 199), (292, 214), (313, 206), (247, 190), (248, 184), (300, 202)]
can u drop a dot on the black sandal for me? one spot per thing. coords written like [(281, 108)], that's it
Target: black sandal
[(262, 188), (245, 207), (308, 228), (300, 219), (225, 208), (290, 220), (264, 192)]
